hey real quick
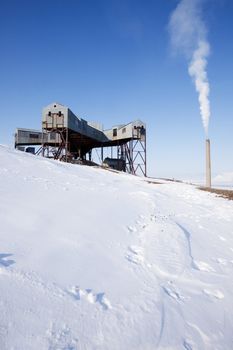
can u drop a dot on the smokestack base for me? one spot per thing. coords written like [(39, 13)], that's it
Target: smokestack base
[(208, 164)]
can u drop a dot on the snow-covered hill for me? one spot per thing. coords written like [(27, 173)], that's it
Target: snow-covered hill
[(91, 259)]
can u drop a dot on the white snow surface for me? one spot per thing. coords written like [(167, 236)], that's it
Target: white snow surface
[(91, 259)]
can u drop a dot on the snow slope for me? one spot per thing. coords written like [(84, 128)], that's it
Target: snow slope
[(91, 259)]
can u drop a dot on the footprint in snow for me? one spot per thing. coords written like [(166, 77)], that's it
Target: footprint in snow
[(4, 262), (61, 338), (135, 255), (202, 266), (142, 225), (141, 216), (189, 345), (152, 218), (221, 261), (131, 229), (214, 293), (90, 297), (172, 291)]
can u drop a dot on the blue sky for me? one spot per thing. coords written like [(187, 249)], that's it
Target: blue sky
[(111, 61)]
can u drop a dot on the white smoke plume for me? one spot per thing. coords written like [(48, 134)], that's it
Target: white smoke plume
[(188, 35)]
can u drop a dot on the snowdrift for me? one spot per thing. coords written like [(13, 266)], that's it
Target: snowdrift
[(91, 259)]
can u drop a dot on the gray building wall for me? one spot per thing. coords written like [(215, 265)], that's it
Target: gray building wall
[(57, 116)]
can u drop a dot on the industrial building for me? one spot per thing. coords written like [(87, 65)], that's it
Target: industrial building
[(67, 137)]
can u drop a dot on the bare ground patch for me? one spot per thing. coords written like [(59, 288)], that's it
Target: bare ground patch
[(228, 194)]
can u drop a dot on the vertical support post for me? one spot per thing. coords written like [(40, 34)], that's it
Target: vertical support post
[(102, 154), (129, 149), (122, 152), (145, 163), (66, 145), (42, 143), (137, 153)]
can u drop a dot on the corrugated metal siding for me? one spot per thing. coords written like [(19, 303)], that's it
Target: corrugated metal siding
[(34, 137), (133, 129), (68, 119)]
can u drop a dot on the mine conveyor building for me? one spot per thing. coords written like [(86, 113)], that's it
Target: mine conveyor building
[(67, 137)]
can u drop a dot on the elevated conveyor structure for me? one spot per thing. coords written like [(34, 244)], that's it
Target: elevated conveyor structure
[(67, 137)]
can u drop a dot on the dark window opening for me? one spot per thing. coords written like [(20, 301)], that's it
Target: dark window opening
[(53, 136), (123, 130), (114, 132), (34, 136), (143, 131), (22, 133)]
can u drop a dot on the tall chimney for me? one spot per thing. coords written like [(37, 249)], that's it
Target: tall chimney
[(208, 164)]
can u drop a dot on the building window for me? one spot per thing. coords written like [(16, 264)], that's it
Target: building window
[(52, 136), (143, 130), (33, 136), (22, 133), (123, 130), (114, 132)]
